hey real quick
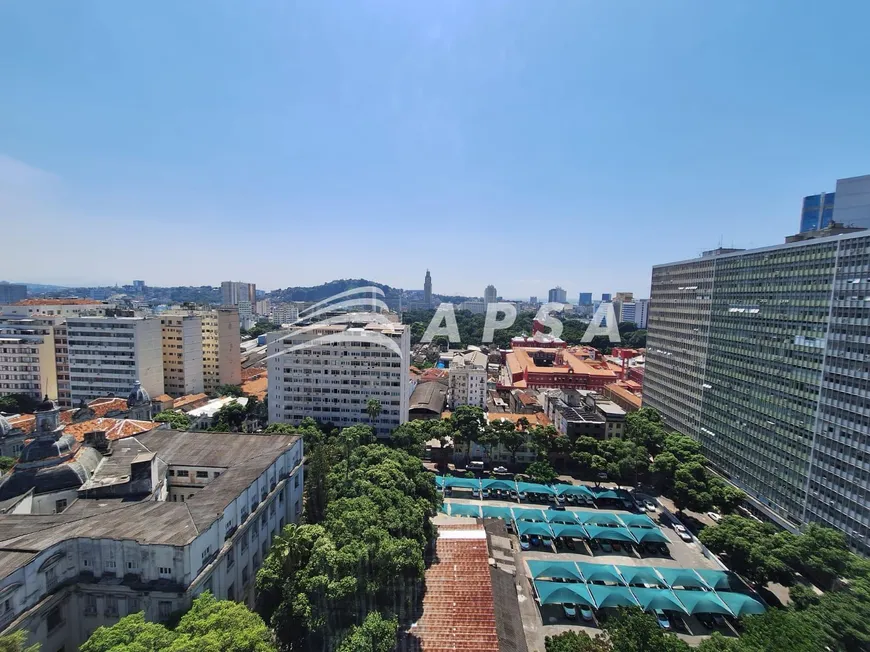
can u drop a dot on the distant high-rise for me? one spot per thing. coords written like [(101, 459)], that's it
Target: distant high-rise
[(585, 299), (427, 289), (557, 295), (12, 292), (139, 286), (490, 295), (533, 299), (234, 291), (849, 206), (606, 296)]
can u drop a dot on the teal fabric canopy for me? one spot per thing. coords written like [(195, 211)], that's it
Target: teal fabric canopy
[(609, 533), (600, 518), (535, 488), (530, 515), (527, 527), (462, 483), (563, 593), (741, 604), (640, 575), (685, 577), (444, 508), (439, 480), (702, 602), (612, 596), (652, 599), (495, 511), (608, 493), (462, 509), (649, 536), (555, 516), (637, 520), (716, 579), (504, 485), (599, 572), (563, 530), (562, 569), (572, 490)]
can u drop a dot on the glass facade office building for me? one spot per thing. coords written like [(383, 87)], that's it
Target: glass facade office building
[(817, 212), (764, 357)]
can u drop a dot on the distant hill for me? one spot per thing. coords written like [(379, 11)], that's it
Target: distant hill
[(320, 292)]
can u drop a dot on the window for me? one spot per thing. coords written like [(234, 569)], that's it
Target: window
[(164, 571), (244, 538), (50, 579), (182, 473), (59, 505), (133, 606), (110, 565), (90, 605), (132, 566), (206, 553), (231, 558), (164, 608), (54, 619), (87, 563), (231, 592), (202, 474), (111, 605), (171, 472), (245, 574)]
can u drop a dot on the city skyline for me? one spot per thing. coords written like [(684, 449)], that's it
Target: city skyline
[(356, 128)]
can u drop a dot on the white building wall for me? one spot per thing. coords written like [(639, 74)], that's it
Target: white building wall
[(192, 352)]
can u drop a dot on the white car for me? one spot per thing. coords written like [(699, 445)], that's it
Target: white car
[(650, 506), (662, 619), (683, 533), (570, 611), (586, 613), (714, 516), (500, 469)]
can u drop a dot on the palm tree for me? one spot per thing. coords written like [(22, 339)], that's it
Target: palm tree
[(349, 438), (373, 409)]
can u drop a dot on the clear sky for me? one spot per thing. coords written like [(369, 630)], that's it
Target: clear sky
[(519, 143)]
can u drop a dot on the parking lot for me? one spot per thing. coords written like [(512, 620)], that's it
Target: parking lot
[(548, 620)]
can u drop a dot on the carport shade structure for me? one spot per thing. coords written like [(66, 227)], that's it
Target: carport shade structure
[(462, 483), (503, 485), (741, 604), (640, 575), (702, 602), (649, 536), (719, 580), (540, 529), (439, 481), (599, 518), (637, 520), (496, 511), (652, 599), (610, 533), (530, 515), (600, 573), (572, 490), (555, 516), (565, 530), (566, 570), (563, 593), (612, 596), (535, 488), (684, 577), (463, 509)]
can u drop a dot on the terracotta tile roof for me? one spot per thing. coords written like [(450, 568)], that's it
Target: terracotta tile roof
[(66, 416), (163, 398), (24, 422), (181, 401), (458, 609), (537, 418), (102, 406), (256, 387), (252, 373), (114, 428)]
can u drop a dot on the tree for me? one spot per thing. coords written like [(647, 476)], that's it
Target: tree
[(576, 642), (14, 642), (726, 497), (691, 490), (373, 409), (176, 420), (376, 634), (219, 625), (230, 390), (131, 633), (644, 428), (281, 429), (489, 438), (349, 439), (632, 630), (546, 440), (507, 435), (18, 404), (541, 472), (229, 418), (6, 463), (753, 549), (467, 421), (782, 630)]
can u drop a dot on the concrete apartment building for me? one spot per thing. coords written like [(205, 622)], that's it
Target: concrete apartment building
[(164, 517), (221, 346), (467, 379), (232, 292), (332, 381), (27, 356), (57, 307), (12, 292), (764, 357), (490, 294), (182, 354), (108, 354), (557, 295)]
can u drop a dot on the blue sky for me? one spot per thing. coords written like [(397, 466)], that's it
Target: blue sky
[(524, 144)]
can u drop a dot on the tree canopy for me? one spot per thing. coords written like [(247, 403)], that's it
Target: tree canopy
[(176, 420)]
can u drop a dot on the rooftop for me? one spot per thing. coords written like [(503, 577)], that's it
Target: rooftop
[(534, 419), (564, 361), (188, 399), (59, 302), (212, 407), (429, 396)]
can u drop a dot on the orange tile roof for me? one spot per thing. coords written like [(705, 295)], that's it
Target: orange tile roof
[(458, 608), (181, 401), (251, 373), (102, 406), (163, 398), (256, 387), (59, 302), (617, 390), (114, 428), (24, 422), (537, 418), (520, 359)]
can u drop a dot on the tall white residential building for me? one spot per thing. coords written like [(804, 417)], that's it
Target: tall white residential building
[(333, 381), (27, 356), (468, 379), (232, 292), (490, 295), (221, 346), (263, 307), (108, 354), (167, 516), (182, 354), (641, 312)]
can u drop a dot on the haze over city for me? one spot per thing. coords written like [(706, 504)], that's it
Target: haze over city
[(573, 143)]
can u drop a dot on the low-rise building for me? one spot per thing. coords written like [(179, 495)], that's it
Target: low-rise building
[(467, 374), (427, 401), (625, 393), (583, 413), (562, 368)]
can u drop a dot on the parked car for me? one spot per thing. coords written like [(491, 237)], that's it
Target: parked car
[(570, 611), (513, 495), (558, 508), (475, 493), (706, 620), (475, 466), (662, 619), (569, 543), (448, 491), (715, 517), (606, 547), (629, 505), (485, 493), (524, 542), (500, 469), (653, 548), (616, 547), (560, 500), (535, 540), (586, 613), (593, 545), (523, 495), (571, 499), (551, 498), (546, 542), (663, 549), (650, 505), (719, 620), (683, 533)]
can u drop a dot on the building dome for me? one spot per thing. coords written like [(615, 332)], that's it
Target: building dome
[(47, 405), (48, 448), (5, 426), (138, 396)]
